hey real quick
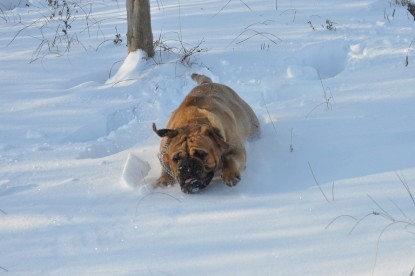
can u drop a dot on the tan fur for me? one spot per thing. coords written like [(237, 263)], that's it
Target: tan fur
[(212, 118)]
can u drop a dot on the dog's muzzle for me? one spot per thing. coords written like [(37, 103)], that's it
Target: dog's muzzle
[(192, 176)]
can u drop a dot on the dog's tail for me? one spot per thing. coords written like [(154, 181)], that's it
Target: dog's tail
[(201, 79)]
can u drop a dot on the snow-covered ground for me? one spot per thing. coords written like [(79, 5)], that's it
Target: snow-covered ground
[(327, 189)]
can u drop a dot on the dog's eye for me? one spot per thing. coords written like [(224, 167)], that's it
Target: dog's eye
[(200, 154), (176, 158)]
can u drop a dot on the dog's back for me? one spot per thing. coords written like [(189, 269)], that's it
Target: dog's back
[(229, 100)]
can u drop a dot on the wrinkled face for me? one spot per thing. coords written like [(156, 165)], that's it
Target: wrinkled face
[(193, 156)]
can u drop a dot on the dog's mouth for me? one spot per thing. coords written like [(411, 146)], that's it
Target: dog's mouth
[(193, 185), (193, 177)]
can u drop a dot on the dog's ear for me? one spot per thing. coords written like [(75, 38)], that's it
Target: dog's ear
[(217, 136), (165, 132)]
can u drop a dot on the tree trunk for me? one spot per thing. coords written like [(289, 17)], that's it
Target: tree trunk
[(411, 9), (139, 33)]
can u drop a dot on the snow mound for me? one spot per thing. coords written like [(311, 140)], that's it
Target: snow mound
[(125, 73), (134, 172), (329, 58)]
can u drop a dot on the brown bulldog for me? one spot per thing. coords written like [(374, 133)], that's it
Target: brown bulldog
[(206, 135)]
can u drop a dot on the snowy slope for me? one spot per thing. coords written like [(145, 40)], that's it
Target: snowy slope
[(328, 186)]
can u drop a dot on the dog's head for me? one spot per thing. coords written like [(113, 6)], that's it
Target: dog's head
[(192, 154)]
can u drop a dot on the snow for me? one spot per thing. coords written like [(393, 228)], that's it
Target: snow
[(327, 189)]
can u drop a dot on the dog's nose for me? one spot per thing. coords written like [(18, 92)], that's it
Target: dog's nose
[(187, 167), (191, 168)]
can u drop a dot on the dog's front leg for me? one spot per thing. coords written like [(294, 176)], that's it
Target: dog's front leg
[(165, 179), (233, 164)]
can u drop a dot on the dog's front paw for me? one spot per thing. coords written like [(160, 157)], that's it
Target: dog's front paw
[(165, 180), (231, 178)]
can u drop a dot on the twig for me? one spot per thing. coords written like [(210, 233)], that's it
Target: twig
[(291, 140), (402, 212), (102, 43), (314, 108), (361, 219), (121, 81), (406, 186), (407, 53), (269, 115), (288, 10), (384, 213), (186, 53), (379, 238), (330, 25), (5, 17), (325, 92), (184, 50), (112, 66), (154, 193), (263, 34), (246, 5), (224, 7), (311, 25), (21, 30), (336, 218), (327, 98), (318, 185), (269, 36), (405, 221), (160, 6)]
